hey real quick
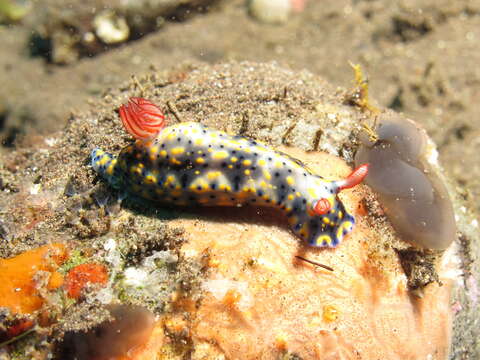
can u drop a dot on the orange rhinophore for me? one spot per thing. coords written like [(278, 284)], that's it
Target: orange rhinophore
[(323, 205), (141, 118), (355, 178)]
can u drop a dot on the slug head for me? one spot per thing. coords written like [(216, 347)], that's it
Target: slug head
[(324, 205), (328, 222)]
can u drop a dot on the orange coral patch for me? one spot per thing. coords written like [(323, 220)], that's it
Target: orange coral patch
[(19, 289), (81, 275)]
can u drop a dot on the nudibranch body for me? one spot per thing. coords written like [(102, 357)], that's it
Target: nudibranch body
[(188, 164)]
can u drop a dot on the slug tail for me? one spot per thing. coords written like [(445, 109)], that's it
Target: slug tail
[(105, 165)]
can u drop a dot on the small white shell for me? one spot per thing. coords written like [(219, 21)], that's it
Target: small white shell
[(110, 27), (271, 11)]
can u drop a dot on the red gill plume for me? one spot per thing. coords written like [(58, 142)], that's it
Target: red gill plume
[(141, 118)]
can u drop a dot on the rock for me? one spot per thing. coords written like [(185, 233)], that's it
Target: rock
[(111, 28), (271, 11), (237, 282)]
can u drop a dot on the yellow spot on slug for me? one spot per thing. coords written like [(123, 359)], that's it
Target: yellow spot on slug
[(290, 180), (178, 150), (163, 153), (200, 160), (262, 162), (199, 186), (278, 164), (346, 225), (291, 197), (137, 169), (247, 162), (154, 150), (103, 160), (150, 179), (324, 238), (263, 184), (248, 189), (169, 180), (233, 159), (247, 172), (224, 187), (326, 220), (312, 192), (197, 172), (212, 175), (219, 155), (267, 175), (199, 141)]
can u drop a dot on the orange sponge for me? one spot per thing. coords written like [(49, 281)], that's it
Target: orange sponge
[(18, 284)]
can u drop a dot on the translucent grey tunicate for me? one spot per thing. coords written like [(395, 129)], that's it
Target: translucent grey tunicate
[(412, 195)]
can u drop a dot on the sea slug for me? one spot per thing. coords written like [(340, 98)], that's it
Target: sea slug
[(188, 164)]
